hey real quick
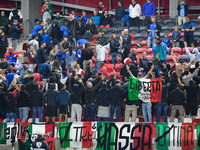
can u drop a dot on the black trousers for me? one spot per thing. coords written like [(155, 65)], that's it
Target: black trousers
[(134, 21), (147, 20)]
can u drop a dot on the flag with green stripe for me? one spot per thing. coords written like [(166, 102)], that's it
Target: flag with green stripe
[(147, 90)]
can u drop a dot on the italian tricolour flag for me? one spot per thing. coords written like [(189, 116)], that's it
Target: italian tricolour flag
[(147, 90)]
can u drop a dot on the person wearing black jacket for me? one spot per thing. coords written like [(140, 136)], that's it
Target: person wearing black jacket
[(114, 46), (55, 32), (5, 66), (31, 86), (11, 108), (2, 100), (131, 106), (90, 27), (90, 107), (3, 43), (116, 97), (23, 103), (153, 30), (177, 98), (111, 82), (41, 55), (39, 143), (49, 98), (71, 26), (80, 29), (120, 10), (102, 40), (36, 98), (182, 7), (103, 103), (126, 45), (106, 20)]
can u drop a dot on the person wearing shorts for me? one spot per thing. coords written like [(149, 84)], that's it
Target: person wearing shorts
[(63, 100), (50, 102)]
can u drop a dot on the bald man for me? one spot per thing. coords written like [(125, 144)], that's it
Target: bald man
[(11, 56), (90, 107), (126, 45)]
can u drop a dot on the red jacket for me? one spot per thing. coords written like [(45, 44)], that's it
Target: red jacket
[(103, 70)]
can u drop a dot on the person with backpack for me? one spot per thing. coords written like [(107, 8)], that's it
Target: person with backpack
[(45, 69), (49, 98), (54, 73), (63, 100), (11, 107)]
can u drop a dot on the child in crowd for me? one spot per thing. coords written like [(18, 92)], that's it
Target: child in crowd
[(166, 40), (63, 100), (176, 36), (53, 53), (46, 37), (19, 63)]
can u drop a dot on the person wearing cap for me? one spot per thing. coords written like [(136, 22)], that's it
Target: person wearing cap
[(37, 27), (39, 143), (15, 15), (126, 45), (46, 11), (177, 99), (96, 18), (23, 71), (103, 103), (11, 56), (102, 40), (116, 98)]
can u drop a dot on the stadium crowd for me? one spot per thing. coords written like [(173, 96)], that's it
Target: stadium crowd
[(91, 79)]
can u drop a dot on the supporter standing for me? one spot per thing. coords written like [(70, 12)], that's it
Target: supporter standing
[(47, 25), (10, 76), (120, 11), (126, 45), (45, 70), (46, 11), (153, 31), (15, 15), (100, 54), (31, 57), (49, 98), (145, 60), (71, 58), (37, 27), (182, 12), (57, 19), (87, 54), (102, 69), (148, 11), (41, 55), (36, 98), (3, 44), (114, 46), (15, 34), (125, 19), (34, 42), (23, 71), (4, 22), (134, 13), (176, 36), (101, 9), (55, 32), (2, 100), (31, 86), (188, 28)]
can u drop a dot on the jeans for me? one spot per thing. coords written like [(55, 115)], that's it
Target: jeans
[(12, 63), (14, 43), (23, 113), (113, 58), (39, 67), (69, 67), (62, 62), (159, 106), (150, 40), (146, 109), (97, 66), (90, 109), (39, 110), (3, 111), (11, 117), (112, 110), (125, 21), (88, 33), (99, 119)]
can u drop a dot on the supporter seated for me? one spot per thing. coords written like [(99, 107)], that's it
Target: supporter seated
[(106, 20), (11, 56), (84, 17), (102, 40), (5, 66), (90, 27), (96, 18)]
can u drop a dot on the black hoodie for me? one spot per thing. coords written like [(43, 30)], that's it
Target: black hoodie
[(23, 99), (10, 102), (50, 96), (36, 98), (177, 97), (116, 95)]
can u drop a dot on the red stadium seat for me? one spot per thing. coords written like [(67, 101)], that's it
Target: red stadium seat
[(150, 57), (11, 67), (182, 36), (94, 37), (141, 50), (108, 50), (37, 77), (25, 46), (20, 51), (108, 76), (176, 51), (68, 74), (118, 67), (144, 44), (1, 120), (108, 59), (93, 59), (117, 75), (41, 84), (110, 67), (134, 44), (150, 51), (91, 43), (170, 35), (170, 60), (184, 50), (93, 51), (132, 36)]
